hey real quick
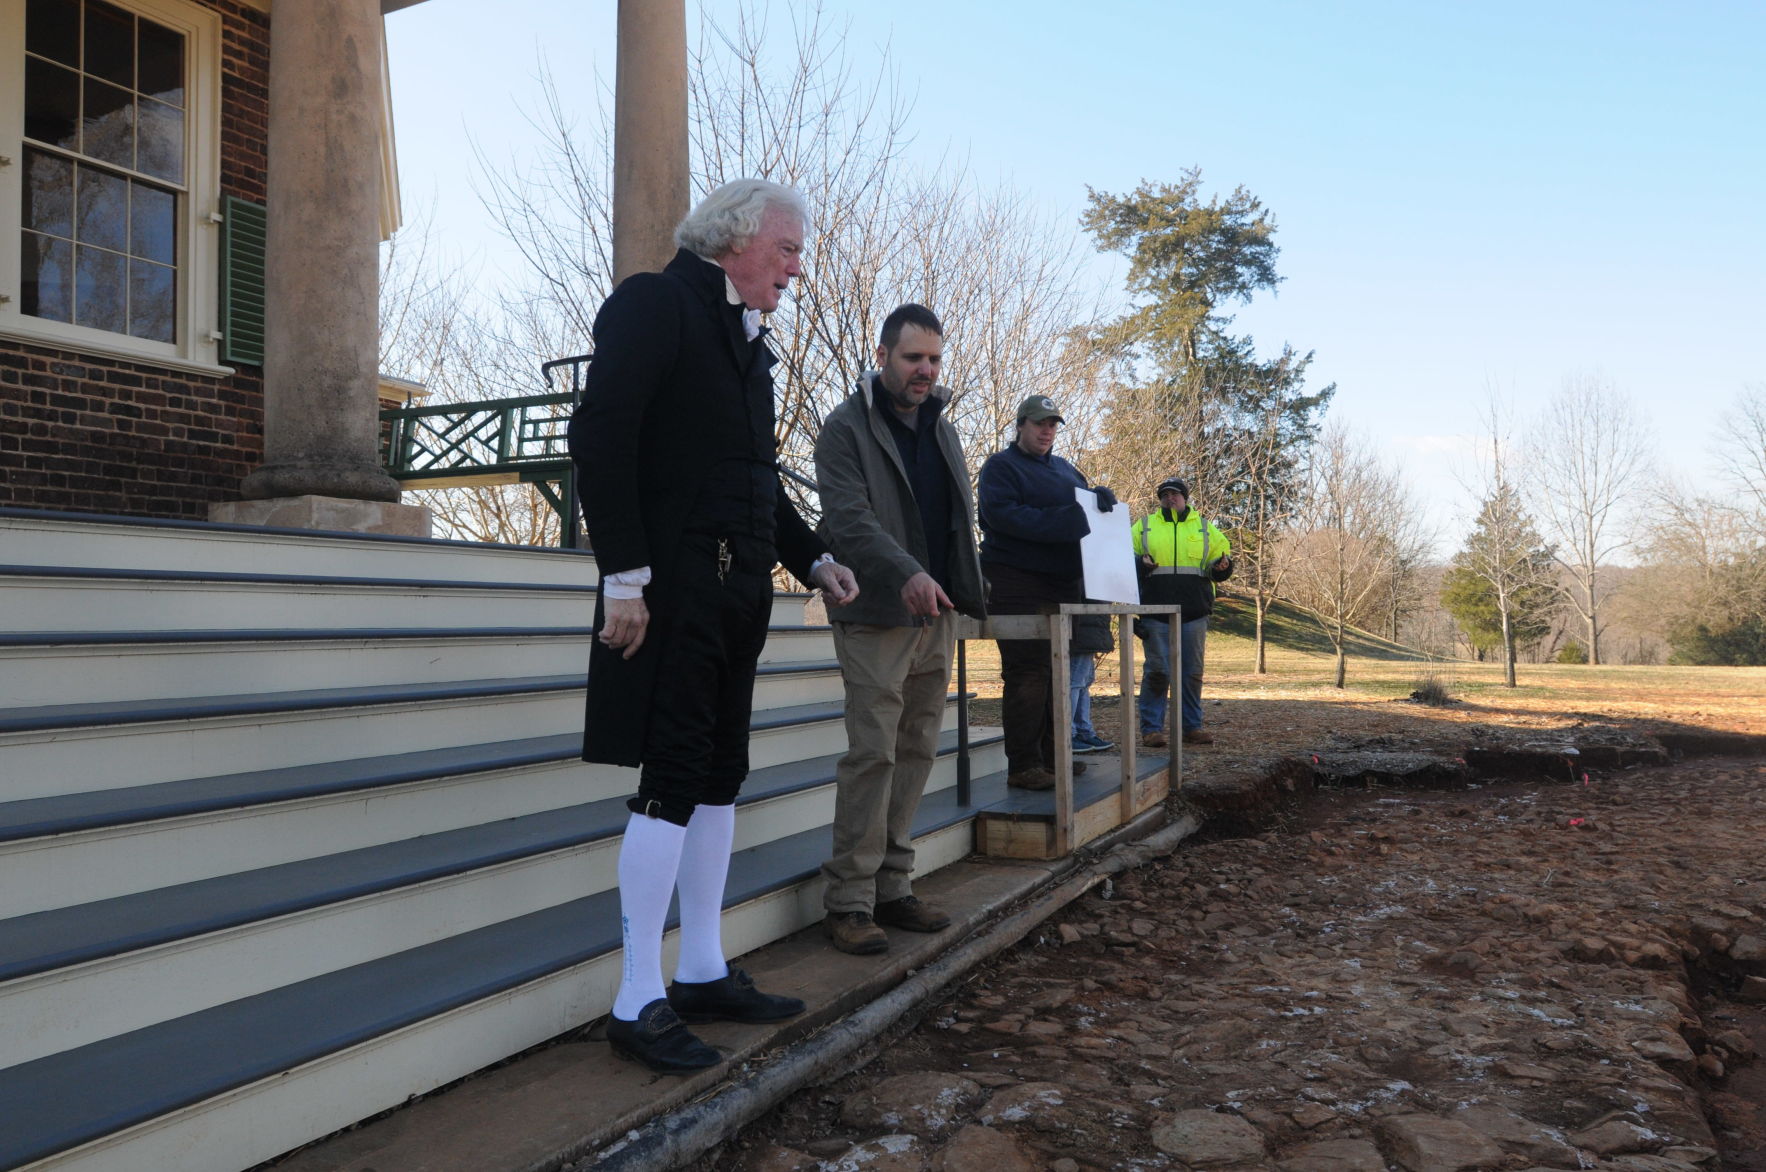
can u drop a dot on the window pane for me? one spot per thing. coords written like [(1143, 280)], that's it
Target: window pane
[(162, 141), (52, 104), (110, 43), (49, 194), (48, 284), (100, 296), (102, 212), (109, 124), (153, 301), (153, 223), (160, 71), (52, 29)]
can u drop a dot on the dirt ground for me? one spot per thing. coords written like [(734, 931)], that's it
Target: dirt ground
[(1559, 968)]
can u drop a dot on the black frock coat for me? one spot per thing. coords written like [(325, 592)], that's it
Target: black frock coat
[(674, 387)]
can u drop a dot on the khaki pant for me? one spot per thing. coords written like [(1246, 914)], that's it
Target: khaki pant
[(896, 682)]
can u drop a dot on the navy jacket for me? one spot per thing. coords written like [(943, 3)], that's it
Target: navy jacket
[(1029, 518)]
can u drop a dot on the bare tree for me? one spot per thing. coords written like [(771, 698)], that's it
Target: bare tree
[(1275, 497), (1590, 447), (1345, 537), (781, 98), (1741, 448)]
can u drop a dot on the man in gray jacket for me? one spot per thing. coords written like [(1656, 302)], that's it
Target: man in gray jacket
[(897, 510)]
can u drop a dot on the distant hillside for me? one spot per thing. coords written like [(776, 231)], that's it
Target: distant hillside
[(1293, 628)]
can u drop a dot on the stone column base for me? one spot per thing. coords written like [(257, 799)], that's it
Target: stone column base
[(327, 512)]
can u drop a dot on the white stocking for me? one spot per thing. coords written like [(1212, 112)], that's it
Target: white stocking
[(648, 858), (705, 865)]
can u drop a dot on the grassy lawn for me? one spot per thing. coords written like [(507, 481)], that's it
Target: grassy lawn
[(1301, 663)]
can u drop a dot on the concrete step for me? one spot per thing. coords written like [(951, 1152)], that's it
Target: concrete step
[(83, 668), (82, 974), (62, 749), (244, 1080), (79, 848), (93, 541), (49, 598)]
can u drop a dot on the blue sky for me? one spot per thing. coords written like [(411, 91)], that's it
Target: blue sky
[(1468, 194)]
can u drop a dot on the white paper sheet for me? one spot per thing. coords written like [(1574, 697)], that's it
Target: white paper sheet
[(1107, 552)]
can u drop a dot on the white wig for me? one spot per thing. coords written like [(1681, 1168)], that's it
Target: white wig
[(729, 217)]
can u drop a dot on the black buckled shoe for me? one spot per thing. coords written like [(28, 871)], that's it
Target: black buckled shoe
[(731, 997), (661, 1041)]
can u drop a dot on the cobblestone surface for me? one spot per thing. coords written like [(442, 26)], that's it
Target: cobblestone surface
[(1514, 975)]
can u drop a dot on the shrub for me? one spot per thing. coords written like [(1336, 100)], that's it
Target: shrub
[(1572, 652), (1432, 690)]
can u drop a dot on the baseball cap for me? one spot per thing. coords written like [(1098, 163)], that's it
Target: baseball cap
[(1174, 484), (1037, 408)]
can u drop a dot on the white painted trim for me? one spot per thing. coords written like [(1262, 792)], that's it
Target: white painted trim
[(198, 265)]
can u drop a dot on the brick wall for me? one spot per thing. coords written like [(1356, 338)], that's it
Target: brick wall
[(108, 435)]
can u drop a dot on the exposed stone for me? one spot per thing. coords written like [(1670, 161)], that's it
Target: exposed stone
[(1021, 1103), (1209, 1139), (1334, 1155), (1310, 1115), (1667, 1050), (982, 1149), (1617, 1137), (776, 1158), (886, 1153), (926, 1104), (1752, 989), (1514, 1133), (1748, 948), (1429, 1143)]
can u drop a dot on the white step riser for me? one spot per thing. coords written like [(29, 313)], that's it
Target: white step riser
[(81, 760), (80, 867), (98, 546), (117, 672), (798, 646), (257, 1122), (95, 606), (74, 1006), (102, 673)]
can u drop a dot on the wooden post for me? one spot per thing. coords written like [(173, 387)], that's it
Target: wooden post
[(1060, 628), (1130, 715)]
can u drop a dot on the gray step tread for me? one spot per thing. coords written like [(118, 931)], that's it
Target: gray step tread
[(109, 713), (43, 941), (80, 1095)]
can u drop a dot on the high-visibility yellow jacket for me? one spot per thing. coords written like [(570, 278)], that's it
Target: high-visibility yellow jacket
[(1185, 549)]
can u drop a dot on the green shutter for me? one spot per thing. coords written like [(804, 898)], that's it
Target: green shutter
[(244, 226)]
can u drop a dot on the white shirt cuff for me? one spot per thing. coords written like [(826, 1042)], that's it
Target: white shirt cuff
[(627, 584), (826, 559)]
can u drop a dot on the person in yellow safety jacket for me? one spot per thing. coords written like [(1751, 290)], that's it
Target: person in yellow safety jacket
[(1180, 556)]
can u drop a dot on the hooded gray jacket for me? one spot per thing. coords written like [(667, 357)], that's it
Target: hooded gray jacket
[(871, 522)]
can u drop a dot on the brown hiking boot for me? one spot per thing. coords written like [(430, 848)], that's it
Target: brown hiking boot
[(908, 912), (1037, 779), (1155, 740), (855, 932), (1197, 736)]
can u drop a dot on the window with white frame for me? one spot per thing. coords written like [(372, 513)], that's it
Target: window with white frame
[(111, 175)]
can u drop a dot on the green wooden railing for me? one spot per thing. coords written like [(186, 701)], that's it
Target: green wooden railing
[(519, 440)]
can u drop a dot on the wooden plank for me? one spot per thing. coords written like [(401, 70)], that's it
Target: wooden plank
[(1016, 838), (1060, 629)]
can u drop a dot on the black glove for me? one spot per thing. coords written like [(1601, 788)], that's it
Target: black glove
[(1222, 569), (1106, 499)]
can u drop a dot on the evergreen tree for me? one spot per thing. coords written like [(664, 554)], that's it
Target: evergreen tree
[(1193, 398), (1500, 588)]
